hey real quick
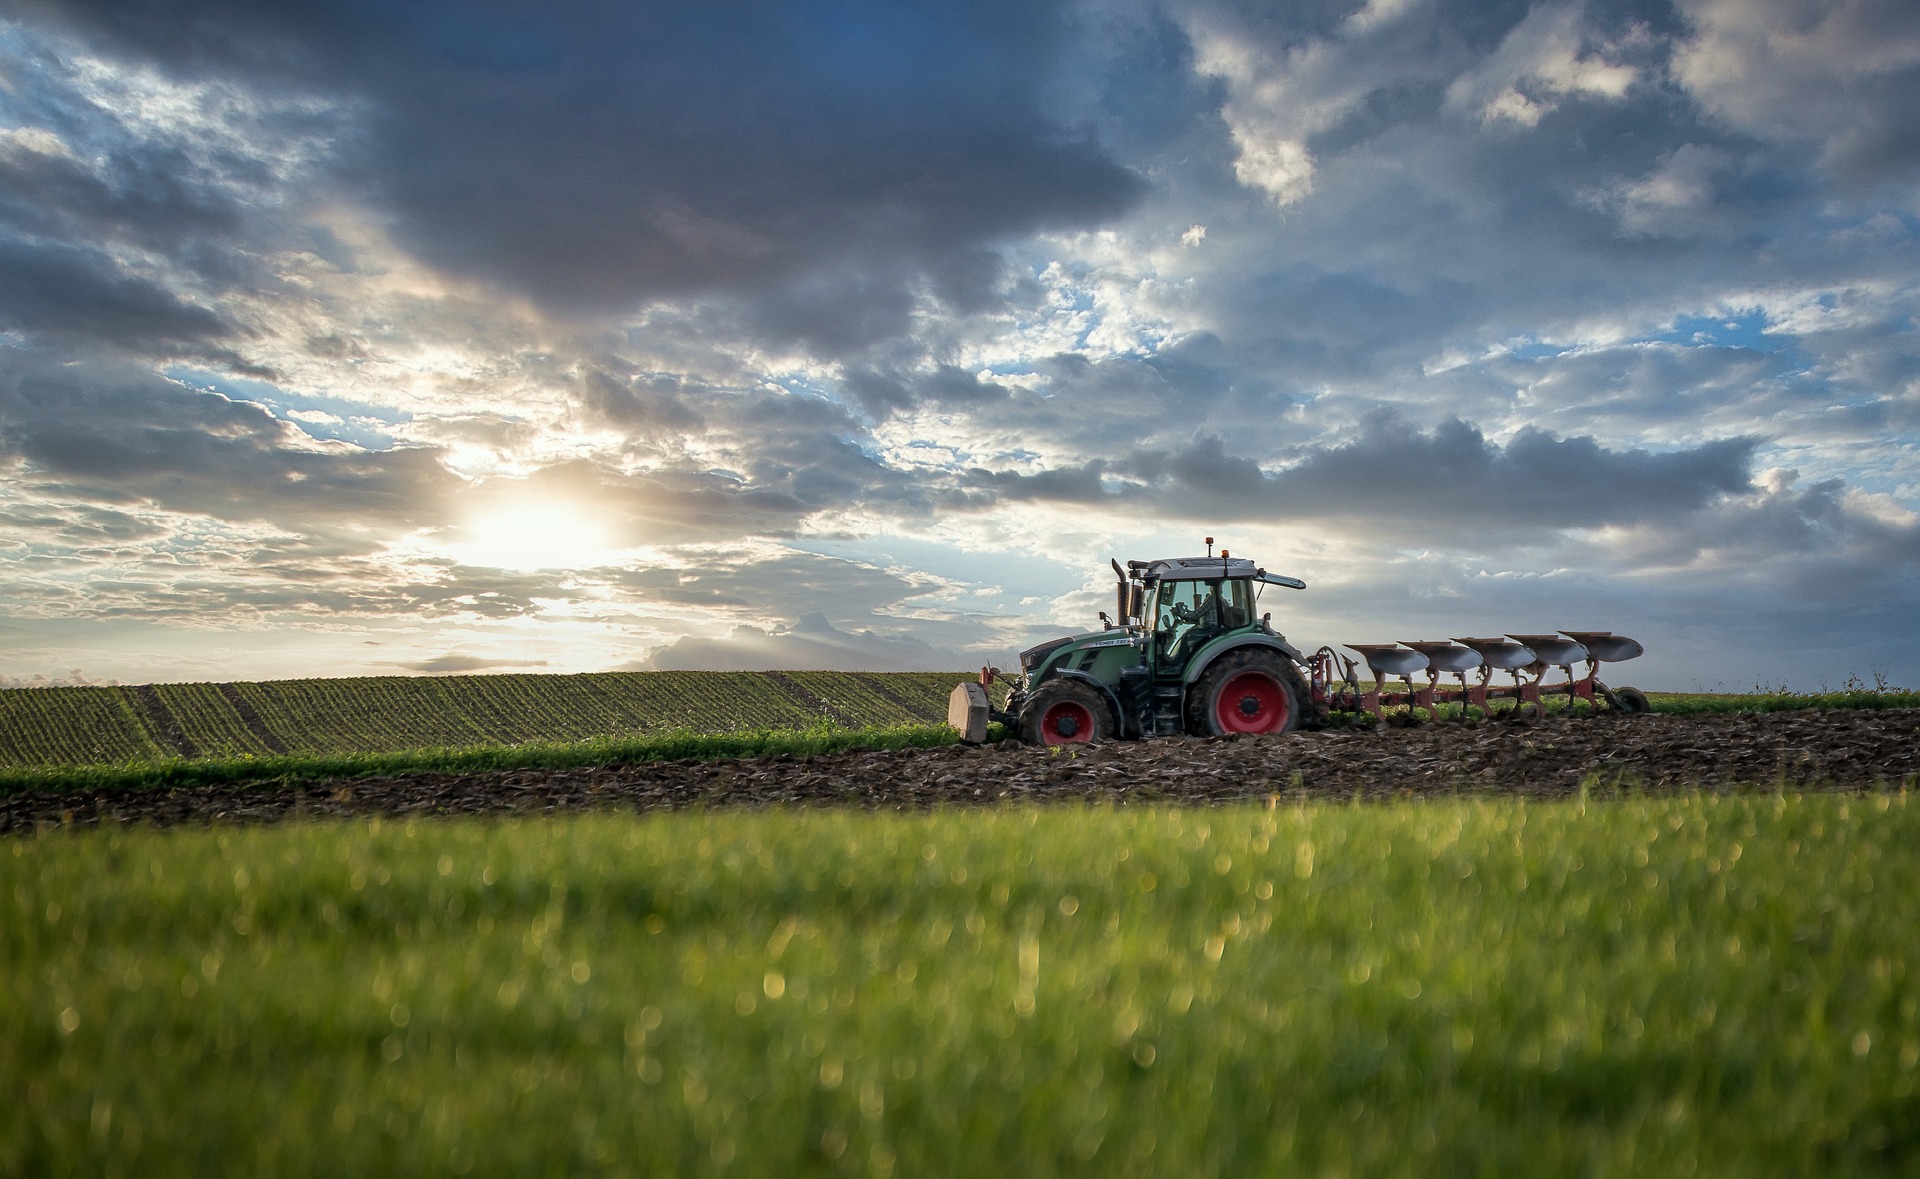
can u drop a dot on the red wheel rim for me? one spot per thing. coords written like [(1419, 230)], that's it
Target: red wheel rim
[(1067, 722), (1252, 702)]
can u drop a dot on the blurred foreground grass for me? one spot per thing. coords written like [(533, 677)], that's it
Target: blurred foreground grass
[(1707, 983)]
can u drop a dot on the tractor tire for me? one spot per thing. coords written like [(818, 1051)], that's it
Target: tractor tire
[(1633, 701), (1065, 712), (1246, 692)]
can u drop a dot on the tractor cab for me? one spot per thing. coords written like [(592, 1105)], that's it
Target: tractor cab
[(1193, 603)]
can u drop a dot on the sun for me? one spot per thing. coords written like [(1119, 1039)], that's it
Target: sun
[(535, 535)]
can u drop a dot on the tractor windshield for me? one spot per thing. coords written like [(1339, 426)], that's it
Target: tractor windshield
[(1188, 613)]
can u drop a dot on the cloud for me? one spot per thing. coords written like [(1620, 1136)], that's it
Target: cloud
[(153, 194), (454, 663), (1677, 198), (73, 679), (71, 291), (945, 387), (1449, 484), (1842, 76), (1297, 88), (110, 432), (596, 159), (809, 643), (1547, 58)]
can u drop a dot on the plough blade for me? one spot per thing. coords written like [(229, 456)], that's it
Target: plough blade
[(1445, 656), (1606, 646), (1501, 654), (1526, 658), (1553, 650), (1385, 659)]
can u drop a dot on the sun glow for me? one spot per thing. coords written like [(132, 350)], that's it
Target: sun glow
[(535, 535)]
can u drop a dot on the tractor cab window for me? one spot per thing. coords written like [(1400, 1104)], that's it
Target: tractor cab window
[(1236, 604), (1188, 613)]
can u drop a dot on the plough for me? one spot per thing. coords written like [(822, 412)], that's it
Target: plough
[(1528, 659)]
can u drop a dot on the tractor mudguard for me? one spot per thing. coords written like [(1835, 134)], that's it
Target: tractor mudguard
[(1235, 642), (1122, 725)]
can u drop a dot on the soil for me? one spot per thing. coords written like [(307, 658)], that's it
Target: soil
[(1810, 750)]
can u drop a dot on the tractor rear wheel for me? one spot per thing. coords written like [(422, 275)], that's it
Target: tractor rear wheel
[(1245, 692), (1063, 712)]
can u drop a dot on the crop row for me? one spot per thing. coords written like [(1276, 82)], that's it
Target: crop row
[(78, 726)]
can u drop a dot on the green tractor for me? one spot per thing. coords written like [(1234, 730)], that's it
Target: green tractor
[(1189, 653)]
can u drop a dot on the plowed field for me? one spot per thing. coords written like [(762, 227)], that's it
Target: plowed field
[(1811, 749)]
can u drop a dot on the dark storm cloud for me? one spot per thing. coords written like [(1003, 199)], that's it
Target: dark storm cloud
[(1450, 482), (69, 291), (881, 393), (599, 155), (111, 433), (1535, 480), (153, 194), (638, 403), (122, 226)]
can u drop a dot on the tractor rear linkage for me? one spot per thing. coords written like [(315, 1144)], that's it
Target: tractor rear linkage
[(1335, 684)]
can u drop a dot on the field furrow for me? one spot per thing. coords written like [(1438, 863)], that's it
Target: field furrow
[(209, 721), (71, 726)]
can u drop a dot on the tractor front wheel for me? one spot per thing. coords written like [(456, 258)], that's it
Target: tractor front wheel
[(1063, 712), (1247, 692)]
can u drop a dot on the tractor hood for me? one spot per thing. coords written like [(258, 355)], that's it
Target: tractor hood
[(1033, 659)]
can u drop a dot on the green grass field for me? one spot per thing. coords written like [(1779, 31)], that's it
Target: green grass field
[(1710, 984)]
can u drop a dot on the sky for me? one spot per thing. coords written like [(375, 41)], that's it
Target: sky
[(346, 337)]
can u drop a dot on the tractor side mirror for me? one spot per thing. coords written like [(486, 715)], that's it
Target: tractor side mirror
[(1105, 621)]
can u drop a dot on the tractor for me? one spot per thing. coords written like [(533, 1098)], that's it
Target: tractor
[(1188, 652)]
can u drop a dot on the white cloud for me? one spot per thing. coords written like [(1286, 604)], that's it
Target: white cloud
[(1839, 74), (1547, 57), (1676, 197), (1280, 95)]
